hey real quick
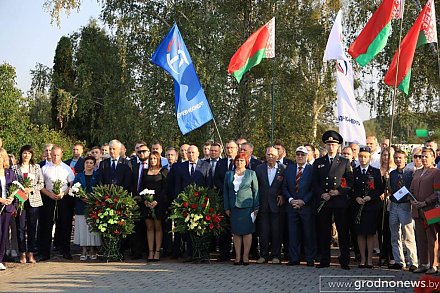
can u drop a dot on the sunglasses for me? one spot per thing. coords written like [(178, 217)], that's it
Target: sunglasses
[(143, 151), (417, 156), (301, 154)]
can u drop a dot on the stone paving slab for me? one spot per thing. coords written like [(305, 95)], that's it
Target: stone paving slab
[(172, 276)]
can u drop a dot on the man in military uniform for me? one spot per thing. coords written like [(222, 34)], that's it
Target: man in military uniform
[(332, 179)]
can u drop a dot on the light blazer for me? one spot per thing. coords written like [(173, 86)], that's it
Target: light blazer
[(37, 183), (247, 195), (269, 192), (305, 192)]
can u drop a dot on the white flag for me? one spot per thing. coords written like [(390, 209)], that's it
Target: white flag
[(335, 48), (351, 127)]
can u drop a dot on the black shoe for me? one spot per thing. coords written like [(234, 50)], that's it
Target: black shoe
[(322, 265), (396, 266), (43, 258), (222, 259), (412, 268), (245, 263), (369, 266), (346, 267), (383, 262), (187, 259), (67, 255), (361, 266), (311, 263), (136, 257), (237, 263), (293, 263)]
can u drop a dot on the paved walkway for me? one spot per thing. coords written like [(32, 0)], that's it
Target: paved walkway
[(171, 276)]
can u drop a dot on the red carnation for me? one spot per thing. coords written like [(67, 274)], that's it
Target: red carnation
[(216, 219), (118, 212), (185, 214), (343, 182), (204, 205), (208, 218), (196, 194), (99, 211), (115, 199), (206, 198), (194, 206), (211, 210), (106, 197), (97, 202), (111, 206), (211, 226), (116, 231), (102, 203), (121, 223), (371, 184), (185, 204)]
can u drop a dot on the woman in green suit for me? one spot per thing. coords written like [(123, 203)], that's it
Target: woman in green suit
[(240, 200)]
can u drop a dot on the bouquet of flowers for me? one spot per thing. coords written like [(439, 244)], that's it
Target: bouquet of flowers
[(198, 210), (149, 197), (111, 211), (77, 191), (369, 185), (343, 185), (57, 186)]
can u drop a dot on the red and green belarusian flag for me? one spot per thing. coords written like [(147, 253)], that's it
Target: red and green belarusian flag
[(259, 45), (423, 31), (432, 216), (374, 37), (21, 195)]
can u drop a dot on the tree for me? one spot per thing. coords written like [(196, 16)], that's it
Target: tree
[(39, 95)]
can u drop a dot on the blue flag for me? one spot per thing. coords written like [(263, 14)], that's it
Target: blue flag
[(192, 108)]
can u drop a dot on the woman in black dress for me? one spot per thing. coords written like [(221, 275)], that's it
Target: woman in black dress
[(154, 179), (367, 189)]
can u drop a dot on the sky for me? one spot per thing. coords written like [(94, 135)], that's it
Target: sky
[(27, 37)]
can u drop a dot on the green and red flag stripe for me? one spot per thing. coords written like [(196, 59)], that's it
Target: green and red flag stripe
[(374, 37), (20, 195), (261, 44), (436, 186), (432, 216), (423, 31)]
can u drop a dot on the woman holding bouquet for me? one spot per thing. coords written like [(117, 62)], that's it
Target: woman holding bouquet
[(82, 235), (241, 202), (367, 189), (7, 176), (155, 204), (28, 173)]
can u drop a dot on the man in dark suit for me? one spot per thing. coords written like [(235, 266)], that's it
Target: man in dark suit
[(138, 164), (77, 161), (332, 180), (115, 169), (214, 158), (270, 225), (224, 165), (282, 153), (193, 171), (297, 189)]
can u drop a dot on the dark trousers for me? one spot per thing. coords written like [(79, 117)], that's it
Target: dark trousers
[(26, 222), (325, 234), (224, 244), (353, 210), (167, 242), (384, 237), (5, 219), (63, 211), (270, 226), (180, 239), (138, 239), (302, 234)]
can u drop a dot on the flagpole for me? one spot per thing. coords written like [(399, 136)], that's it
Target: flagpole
[(273, 102), (218, 133), (393, 105)]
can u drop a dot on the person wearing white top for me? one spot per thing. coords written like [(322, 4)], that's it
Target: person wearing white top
[(57, 207)]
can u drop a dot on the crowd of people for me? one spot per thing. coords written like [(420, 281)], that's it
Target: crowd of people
[(360, 198)]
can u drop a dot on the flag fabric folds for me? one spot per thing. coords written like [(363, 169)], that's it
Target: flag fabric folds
[(261, 44), (21, 195), (351, 126), (422, 32), (192, 108), (432, 216), (374, 37)]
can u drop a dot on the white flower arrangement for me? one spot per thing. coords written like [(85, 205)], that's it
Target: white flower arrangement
[(75, 190)]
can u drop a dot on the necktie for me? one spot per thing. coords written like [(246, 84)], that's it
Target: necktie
[(192, 169), (114, 165), (399, 181), (364, 172), (231, 165), (331, 161), (297, 179), (142, 166)]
